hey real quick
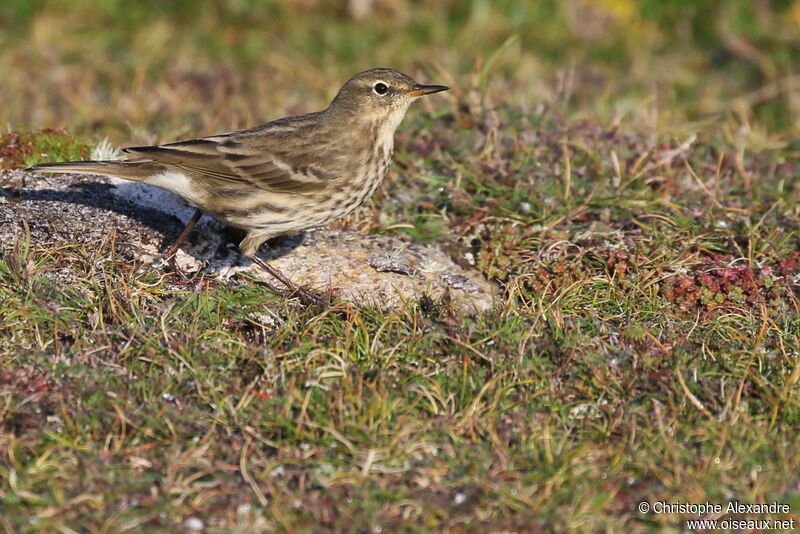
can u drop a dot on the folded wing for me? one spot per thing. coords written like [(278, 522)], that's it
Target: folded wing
[(229, 159)]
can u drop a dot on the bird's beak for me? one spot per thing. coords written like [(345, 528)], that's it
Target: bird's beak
[(420, 90)]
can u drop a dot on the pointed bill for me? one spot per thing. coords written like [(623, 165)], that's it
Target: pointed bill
[(421, 90)]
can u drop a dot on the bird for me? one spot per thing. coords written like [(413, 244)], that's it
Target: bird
[(284, 176)]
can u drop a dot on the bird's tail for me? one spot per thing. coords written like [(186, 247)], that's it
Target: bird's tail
[(137, 169)]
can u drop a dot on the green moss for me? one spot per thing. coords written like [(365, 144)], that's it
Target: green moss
[(21, 149)]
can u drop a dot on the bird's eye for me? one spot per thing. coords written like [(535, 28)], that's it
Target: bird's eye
[(380, 88)]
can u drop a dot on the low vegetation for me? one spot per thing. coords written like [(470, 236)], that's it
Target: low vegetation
[(626, 174)]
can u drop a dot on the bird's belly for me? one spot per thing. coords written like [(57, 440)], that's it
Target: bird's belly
[(180, 184), (286, 213)]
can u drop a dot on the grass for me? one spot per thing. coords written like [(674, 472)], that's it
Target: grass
[(628, 183), (23, 149)]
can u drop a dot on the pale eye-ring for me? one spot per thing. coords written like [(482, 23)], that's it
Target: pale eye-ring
[(380, 88)]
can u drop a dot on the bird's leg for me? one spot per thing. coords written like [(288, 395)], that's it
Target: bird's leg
[(181, 239), (307, 296)]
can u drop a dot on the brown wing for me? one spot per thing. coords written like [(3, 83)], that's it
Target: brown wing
[(227, 158)]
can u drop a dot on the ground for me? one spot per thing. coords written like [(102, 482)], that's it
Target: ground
[(370, 270), (623, 172)]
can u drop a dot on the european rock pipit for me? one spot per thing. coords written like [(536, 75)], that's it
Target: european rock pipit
[(283, 176)]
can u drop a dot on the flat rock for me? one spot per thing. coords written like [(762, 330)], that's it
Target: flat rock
[(367, 269)]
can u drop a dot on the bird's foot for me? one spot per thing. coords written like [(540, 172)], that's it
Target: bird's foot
[(174, 268), (307, 296), (311, 297)]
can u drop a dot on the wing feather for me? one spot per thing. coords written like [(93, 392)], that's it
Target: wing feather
[(226, 158)]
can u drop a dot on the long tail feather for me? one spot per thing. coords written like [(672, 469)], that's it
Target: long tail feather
[(132, 169)]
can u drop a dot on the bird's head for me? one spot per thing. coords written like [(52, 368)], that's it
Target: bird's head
[(381, 94)]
